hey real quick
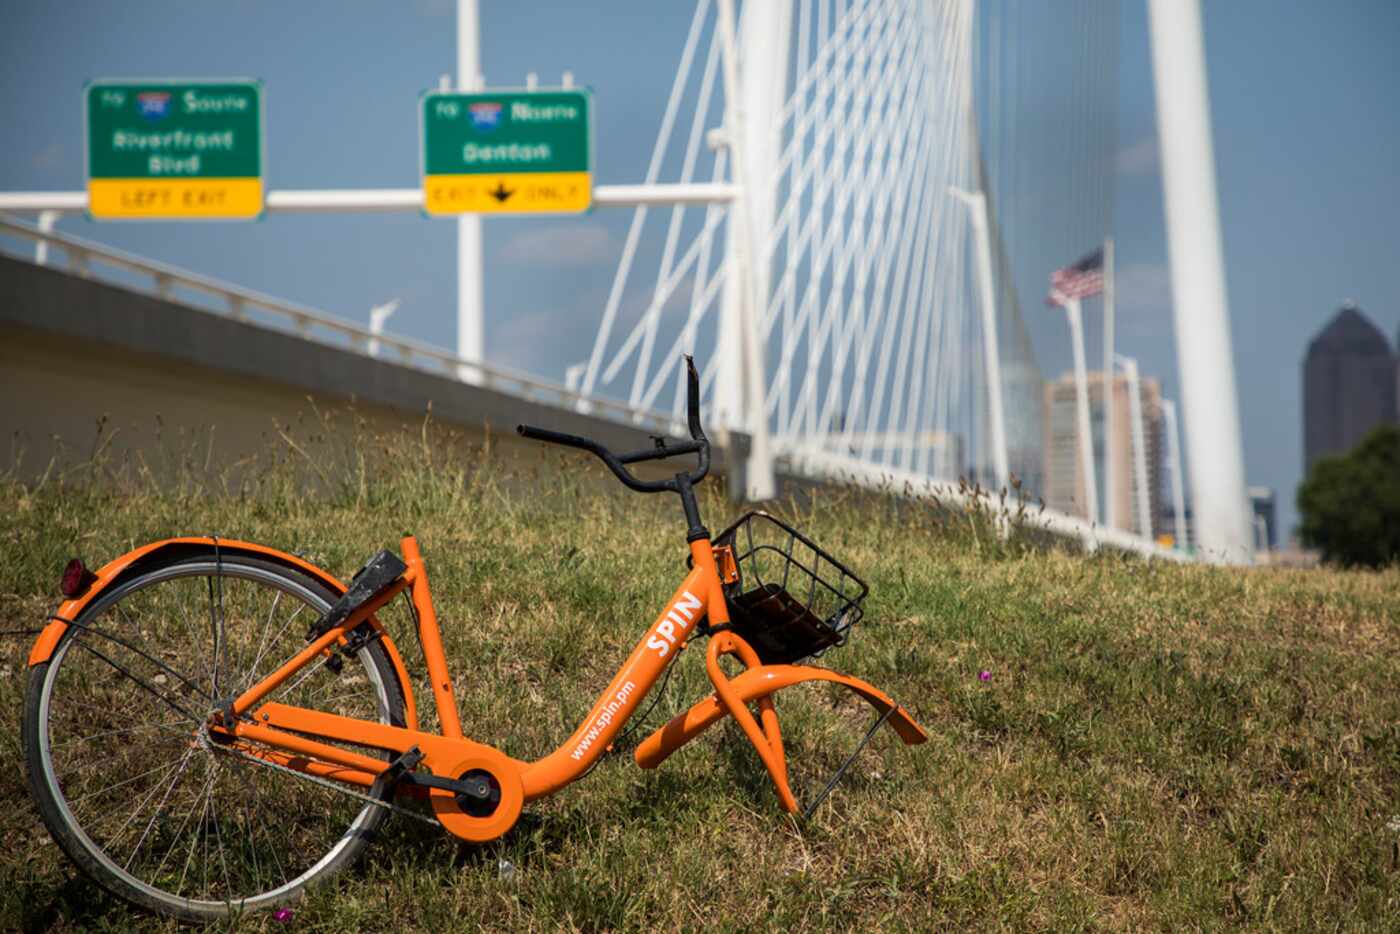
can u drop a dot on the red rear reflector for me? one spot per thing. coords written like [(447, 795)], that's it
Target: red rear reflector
[(76, 578)]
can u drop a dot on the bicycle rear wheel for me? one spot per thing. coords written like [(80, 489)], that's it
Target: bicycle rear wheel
[(143, 801)]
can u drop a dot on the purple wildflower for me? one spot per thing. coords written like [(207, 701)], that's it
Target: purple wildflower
[(282, 914), (984, 675)]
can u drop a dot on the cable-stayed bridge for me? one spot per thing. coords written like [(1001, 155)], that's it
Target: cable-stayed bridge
[(836, 326), (822, 225)]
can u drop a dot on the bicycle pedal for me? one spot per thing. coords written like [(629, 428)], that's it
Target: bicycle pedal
[(403, 763), (369, 581)]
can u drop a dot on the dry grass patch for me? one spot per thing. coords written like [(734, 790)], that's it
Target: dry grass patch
[(1157, 746)]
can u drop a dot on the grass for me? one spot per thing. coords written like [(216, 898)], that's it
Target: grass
[(1156, 747)]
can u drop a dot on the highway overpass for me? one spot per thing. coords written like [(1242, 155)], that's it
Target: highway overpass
[(162, 374)]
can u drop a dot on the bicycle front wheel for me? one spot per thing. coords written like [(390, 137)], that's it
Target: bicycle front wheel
[(131, 787)]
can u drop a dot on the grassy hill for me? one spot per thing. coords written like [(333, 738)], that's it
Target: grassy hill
[(1156, 746)]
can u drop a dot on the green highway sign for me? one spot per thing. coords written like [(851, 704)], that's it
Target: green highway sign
[(174, 149), (507, 152)]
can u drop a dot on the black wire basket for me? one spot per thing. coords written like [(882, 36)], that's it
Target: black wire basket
[(792, 599)]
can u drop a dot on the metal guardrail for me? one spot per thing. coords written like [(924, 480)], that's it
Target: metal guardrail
[(311, 324), (826, 465)]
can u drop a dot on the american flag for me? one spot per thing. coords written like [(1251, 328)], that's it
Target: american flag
[(1083, 279)]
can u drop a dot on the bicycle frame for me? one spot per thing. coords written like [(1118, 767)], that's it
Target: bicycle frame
[(296, 737)]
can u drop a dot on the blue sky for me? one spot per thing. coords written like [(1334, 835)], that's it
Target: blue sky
[(1307, 140), (1304, 101)]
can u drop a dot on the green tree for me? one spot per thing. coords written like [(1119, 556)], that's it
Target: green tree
[(1351, 504)]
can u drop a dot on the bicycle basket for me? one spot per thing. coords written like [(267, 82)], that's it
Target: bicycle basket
[(792, 599)]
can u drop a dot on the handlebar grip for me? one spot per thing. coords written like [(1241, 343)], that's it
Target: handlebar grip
[(555, 437), (593, 447), (616, 463)]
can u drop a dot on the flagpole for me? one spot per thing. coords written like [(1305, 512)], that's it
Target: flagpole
[(1110, 472), (1081, 391)]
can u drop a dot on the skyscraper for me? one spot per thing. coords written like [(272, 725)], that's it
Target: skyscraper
[(1349, 385), (1064, 480)]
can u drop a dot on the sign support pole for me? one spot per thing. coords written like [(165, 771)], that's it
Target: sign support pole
[(743, 308), (470, 287)]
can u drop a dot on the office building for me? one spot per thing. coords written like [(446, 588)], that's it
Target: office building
[(1349, 385), (1064, 478)]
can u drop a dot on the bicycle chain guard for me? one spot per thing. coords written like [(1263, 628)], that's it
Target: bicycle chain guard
[(455, 814)]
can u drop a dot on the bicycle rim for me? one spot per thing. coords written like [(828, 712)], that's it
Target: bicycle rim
[(140, 801)]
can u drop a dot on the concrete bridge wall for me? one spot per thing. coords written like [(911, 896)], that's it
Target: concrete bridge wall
[(171, 380)]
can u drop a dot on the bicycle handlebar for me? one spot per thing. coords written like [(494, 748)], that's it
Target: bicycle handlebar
[(699, 445)]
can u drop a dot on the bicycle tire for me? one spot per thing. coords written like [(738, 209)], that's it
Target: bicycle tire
[(119, 685)]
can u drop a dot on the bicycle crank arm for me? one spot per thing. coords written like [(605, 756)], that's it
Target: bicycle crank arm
[(478, 789)]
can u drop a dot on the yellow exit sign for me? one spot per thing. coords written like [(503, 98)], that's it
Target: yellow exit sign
[(507, 152), (508, 193)]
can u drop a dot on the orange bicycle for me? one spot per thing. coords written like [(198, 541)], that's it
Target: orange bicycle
[(211, 725)]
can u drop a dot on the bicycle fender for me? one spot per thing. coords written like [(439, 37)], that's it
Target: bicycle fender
[(126, 566), (760, 682)]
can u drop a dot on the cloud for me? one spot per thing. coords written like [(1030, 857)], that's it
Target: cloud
[(560, 245), (1138, 159)]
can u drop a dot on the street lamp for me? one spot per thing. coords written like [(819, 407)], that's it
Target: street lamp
[(1081, 392), (377, 316), (976, 203), (1144, 508), (573, 375)]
